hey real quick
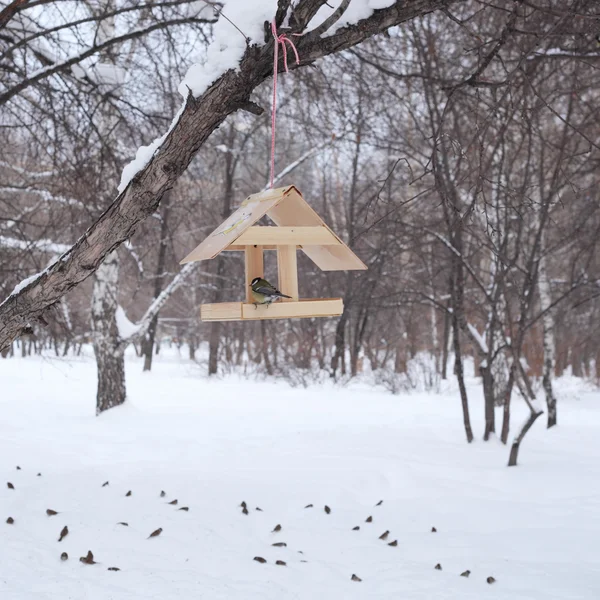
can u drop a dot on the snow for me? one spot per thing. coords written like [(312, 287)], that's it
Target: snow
[(214, 443), (478, 338), (145, 154), (229, 44), (125, 327), (23, 284)]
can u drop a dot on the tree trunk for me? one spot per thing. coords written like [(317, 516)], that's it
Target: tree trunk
[(265, 347), (514, 450), (340, 344), (489, 400), (148, 343), (534, 410), (506, 407), (447, 326), (458, 369), (107, 347), (213, 347), (548, 340), (148, 340)]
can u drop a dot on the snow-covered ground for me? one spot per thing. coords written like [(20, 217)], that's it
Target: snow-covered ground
[(213, 444)]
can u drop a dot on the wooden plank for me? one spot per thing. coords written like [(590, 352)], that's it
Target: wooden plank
[(240, 248), (222, 311), (305, 308), (294, 211), (287, 270), (250, 211), (254, 267), (306, 236)]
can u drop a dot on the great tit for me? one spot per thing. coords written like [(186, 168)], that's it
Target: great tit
[(264, 293)]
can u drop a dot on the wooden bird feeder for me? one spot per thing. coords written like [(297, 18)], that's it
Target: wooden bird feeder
[(298, 227)]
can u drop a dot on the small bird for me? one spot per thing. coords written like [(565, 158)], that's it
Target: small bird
[(51, 512), (163, 493), (279, 544), (10, 486), (113, 569), (173, 502), (259, 509), (394, 543), (264, 293), (433, 530), (259, 559), (128, 494), (355, 528), (355, 577), (105, 484), (276, 529), (379, 503), (281, 563), (327, 509), (438, 567), (490, 579), (384, 535), (308, 506), (88, 559), (185, 508), (39, 474), (123, 523), (155, 533), (244, 511), (64, 556), (243, 504), (369, 520), (18, 468), (10, 520), (64, 533), (465, 573)]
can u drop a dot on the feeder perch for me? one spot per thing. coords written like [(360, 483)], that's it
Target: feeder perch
[(298, 227)]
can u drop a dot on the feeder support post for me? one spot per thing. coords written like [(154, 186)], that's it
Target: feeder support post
[(254, 267), (287, 268)]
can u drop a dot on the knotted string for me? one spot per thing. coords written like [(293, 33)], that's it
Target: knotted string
[(283, 40)]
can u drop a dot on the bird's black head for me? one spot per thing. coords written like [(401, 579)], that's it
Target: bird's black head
[(255, 280)]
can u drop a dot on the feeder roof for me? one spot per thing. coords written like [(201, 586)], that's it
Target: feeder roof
[(286, 208)]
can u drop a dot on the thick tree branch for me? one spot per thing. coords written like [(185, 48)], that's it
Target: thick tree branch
[(9, 11)]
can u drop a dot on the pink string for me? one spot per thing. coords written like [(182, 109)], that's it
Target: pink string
[(279, 39)]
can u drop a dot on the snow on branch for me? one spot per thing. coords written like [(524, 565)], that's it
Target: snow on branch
[(478, 338)]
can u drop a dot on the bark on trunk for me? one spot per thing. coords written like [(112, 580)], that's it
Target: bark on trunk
[(506, 407), (458, 369), (447, 325), (548, 340), (108, 349), (213, 348), (489, 400), (148, 343), (534, 411), (340, 344), (111, 380), (514, 450)]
